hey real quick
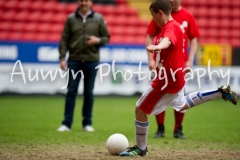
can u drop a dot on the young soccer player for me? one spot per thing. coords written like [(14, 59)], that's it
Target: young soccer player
[(167, 52), (190, 34)]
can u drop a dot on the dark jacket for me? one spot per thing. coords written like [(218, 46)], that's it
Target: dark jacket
[(75, 34)]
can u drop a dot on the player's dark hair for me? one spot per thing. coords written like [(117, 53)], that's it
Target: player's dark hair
[(163, 5)]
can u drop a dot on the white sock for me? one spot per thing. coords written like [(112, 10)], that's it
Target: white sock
[(141, 134), (196, 98)]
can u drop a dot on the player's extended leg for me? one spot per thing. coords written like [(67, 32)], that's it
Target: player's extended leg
[(148, 104), (178, 124), (141, 130), (196, 98), (160, 122)]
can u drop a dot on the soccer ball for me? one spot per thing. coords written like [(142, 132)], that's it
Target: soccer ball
[(117, 143)]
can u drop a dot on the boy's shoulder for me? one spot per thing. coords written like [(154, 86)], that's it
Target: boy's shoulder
[(172, 24)]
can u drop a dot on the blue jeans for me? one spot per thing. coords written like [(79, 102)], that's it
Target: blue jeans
[(89, 72)]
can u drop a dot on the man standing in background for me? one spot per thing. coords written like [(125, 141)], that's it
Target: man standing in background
[(190, 33), (84, 33)]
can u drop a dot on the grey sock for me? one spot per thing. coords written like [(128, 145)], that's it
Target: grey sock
[(141, 134)]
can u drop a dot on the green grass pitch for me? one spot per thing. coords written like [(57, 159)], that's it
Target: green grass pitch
[(28, 130)]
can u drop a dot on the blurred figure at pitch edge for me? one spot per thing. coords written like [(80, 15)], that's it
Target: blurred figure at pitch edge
[(190, 33), (84, 33)]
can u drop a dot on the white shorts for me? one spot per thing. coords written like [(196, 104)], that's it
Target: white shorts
[(154, 102)]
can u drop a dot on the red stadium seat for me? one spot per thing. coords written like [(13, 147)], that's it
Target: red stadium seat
[(224, 12), (108, 10), (224, 34), (120, 10), (15, 36), (235, 13), (118, 30), (48, 6), (123, 10), (186, 3), (204, 23), (210, 3), (142, 23), (36, 6), (196, 11), (130, 31), (234, 4), (202, 3), (136, 22), (213, 33), (141, 31), (56, 28), (98, 8), (235, 24), (235, 42), (121, 2), (131, 20), (5, 26), (1, 4), (23, 6), (47, 17), (135, 31), (30, 27), (60, 8), (3, 35), (204, 33), (9, 5), (28, 36), (116, 39), (7, 16), (128, 40), (119, 21), (55, 37), (35, 17), (43, 28), (110, 20), (213, 23), (71, 8), (41, 37), (210, 41), (225, 23), (223, 41), (17, 27), (132, 12), (122, 21), (235, 33), (211, 12), (191, 9), (224, 3), (21, 16), (59, 18), (141, 40)]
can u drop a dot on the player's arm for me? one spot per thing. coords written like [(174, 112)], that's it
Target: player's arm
[(151, 62), (63, 46), (165, 43), (104, 35), (192, 52)]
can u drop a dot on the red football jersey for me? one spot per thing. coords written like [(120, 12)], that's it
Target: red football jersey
[(187, 24), (170, 59)]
